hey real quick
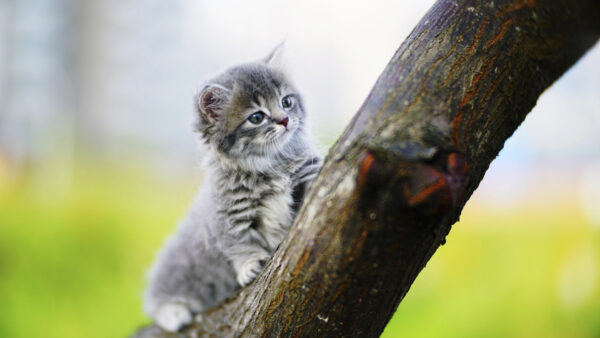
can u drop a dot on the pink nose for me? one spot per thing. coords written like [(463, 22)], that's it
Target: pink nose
[(284, 121)]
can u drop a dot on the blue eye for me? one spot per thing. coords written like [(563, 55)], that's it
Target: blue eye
[(287, 102), (257, 117)]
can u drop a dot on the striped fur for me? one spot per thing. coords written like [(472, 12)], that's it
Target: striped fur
[(256, 178)]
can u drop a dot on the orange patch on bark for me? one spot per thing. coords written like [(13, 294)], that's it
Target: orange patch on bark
[(300, 263), (455, 126), (500, 34), (470, 49), (468, 96), (479, 33), (516, 6), (365, 165), (423, 194)]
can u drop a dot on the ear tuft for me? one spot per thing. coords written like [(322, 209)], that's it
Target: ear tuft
[(275, 58), (212, 101)]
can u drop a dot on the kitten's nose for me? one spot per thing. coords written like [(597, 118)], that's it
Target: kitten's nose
[(284, 121)]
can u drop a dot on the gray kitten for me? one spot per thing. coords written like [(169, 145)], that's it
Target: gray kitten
[(260, 164)]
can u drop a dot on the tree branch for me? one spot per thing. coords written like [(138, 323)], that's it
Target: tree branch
[(399, 176)]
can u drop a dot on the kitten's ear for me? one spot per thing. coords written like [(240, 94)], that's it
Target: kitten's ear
[(275, 58), (212, 101)]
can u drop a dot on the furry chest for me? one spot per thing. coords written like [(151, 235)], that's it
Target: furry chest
[(275, 216), (262, 202)]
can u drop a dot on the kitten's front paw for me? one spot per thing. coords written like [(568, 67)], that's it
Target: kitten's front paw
[(173, 316), (249, 271)]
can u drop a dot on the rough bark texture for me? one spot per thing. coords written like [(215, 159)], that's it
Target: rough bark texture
[(399, 176)]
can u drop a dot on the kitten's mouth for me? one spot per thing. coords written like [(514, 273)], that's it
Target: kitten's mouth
[(286, 130), (284, 134)]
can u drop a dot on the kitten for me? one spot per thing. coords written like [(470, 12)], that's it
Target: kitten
[(258, 169)]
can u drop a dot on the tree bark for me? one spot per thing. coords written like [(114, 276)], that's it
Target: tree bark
[(399, 176)]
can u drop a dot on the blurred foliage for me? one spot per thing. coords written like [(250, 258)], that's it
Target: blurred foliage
[(72, 262), (73, 256), (526, 272)]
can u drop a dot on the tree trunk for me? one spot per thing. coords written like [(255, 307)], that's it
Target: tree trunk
[(400, 174)]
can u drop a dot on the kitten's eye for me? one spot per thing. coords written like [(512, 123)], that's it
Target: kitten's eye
[(287, 102), (257, 117)]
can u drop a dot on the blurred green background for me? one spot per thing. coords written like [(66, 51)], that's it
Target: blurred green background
[(98, 163), (72, 262)]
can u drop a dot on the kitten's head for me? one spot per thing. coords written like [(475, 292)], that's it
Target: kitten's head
[(250, 113)]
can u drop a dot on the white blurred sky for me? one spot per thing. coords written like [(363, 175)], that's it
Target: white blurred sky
[(337, 49)]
